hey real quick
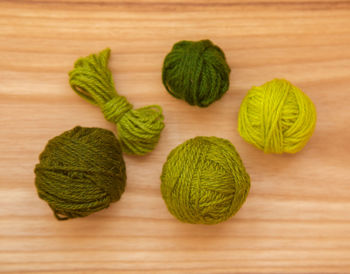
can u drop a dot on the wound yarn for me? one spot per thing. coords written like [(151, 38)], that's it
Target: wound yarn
[(204, 181), (80, 172), (277, 117), (196, 72), (138, 129)]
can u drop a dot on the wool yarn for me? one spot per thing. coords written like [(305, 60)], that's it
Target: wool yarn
[(80, 172), (204, 181), (277, 117), (196, 72), (138, 129)]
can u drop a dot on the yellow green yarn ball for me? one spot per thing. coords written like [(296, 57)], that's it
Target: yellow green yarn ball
[(277, 117), (204, 181)]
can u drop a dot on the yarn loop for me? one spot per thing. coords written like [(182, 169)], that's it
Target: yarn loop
[(138, 129)]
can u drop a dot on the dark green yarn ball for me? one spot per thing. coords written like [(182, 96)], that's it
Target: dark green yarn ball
[(196, 72), (80, 172)]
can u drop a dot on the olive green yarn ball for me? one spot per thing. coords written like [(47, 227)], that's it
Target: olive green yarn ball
[(277, 117), (196, 72), (204, 181), (80, 172)]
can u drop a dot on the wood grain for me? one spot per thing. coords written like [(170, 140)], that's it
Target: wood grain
[(296, 218)]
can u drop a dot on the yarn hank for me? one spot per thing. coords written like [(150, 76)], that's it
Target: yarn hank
[(196, 72), (204, 181), (80, 172), (277, 117), (138, 129)]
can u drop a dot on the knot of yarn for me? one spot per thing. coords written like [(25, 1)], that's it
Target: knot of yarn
[(196, 72), (114, 109), (204, 181), (139, 130), (80, 172), (277, 117)]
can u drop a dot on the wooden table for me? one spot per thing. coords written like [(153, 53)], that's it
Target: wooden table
[(297, 216)]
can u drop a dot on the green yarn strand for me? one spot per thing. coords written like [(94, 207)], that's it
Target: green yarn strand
[(138, 129)]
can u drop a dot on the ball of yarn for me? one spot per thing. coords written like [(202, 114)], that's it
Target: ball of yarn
[(80, 172), (138, 129), (196, 72), (277, 117), (204, 181)]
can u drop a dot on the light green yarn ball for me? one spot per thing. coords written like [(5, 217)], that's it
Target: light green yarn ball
[(204, 181), (277, 117)]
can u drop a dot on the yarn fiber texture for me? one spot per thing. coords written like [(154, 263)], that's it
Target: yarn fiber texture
[(196, 72), (204, 181), (277, 117), (138, 129), (80, 172)]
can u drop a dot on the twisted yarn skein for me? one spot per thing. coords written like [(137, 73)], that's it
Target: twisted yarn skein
[(204, 181), (80, 172), (277, 117), (196, 72), (138, 129)]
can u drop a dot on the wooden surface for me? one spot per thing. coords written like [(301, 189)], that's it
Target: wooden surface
[(297, 216)]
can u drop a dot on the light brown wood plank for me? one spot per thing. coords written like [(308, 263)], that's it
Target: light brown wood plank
[(296, 218)]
